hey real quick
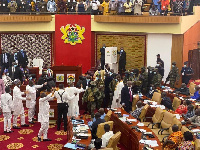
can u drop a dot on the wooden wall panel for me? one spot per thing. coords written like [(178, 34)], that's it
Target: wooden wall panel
[(137, 19), (177, 52), (25, 18), (134, 45)]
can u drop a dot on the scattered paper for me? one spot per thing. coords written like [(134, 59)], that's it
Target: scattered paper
[(132, 120), (140, 124), (178, 116), (152, 143), (71, 146), (195, 130)]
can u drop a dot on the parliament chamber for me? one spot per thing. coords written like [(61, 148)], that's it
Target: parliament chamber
[(64, 46)]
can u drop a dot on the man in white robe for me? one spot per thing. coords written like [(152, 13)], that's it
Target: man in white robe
[(73, 109), (43, 116), (117, 93), (31, 99), (18, 108), (6, 105)]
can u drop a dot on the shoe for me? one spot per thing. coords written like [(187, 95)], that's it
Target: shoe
[(33, 119), (47, 140), (25, 125), (5, 132), (39, 139), (58, 129), (10, 131), (16, 127), (31, 122)]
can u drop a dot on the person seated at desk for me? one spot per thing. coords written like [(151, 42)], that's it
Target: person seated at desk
[(152, 89), (195, 120), (190, 113), (174, 139), (102, 113), (182, 109), (136, 113), (106, 137), (98, 144), (183, 90), (196, 93), (95, 125), (187, 143), (166, 101)]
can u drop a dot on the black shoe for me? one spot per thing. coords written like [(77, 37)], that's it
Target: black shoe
[(33, 119), (31, 122), (58, 129), (65, 130), (10, 131), (16, 127), (25, 125), (47, 140), (5, 132), (39, 139)]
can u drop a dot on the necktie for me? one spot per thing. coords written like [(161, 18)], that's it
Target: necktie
[(130, 92)]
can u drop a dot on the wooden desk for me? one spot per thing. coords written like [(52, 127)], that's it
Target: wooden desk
[(130, 137), (34, 70), (70, 133)]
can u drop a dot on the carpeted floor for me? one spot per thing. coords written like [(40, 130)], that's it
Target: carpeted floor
[(26, 137)]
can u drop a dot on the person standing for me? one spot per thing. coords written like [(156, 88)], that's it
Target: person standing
[(15, 72), (102, 50), (43, 116), (2, 90), (187, 73), (91, 96), (22, 58), (144, 79), (6, 105), (18, 108), (73, 104), (95, 7), (117, 93), (122, 60), (63, 99), (127, 97), (160, 61), (173, 76), (4, 62), (31, 99)]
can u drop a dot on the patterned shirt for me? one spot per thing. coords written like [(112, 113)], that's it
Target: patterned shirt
[(136, 113), (176, 137), (189, 114), (186, 145), (195, 119)]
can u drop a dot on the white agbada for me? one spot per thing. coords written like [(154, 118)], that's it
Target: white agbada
[(17, 101), (117, 95), (7, 105), (43, 115), (137, 7), (73, 109), (32, 95), (106, 137)]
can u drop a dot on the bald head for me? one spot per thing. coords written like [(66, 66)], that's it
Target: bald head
[(175, 128), (197, 112), (139, 104)]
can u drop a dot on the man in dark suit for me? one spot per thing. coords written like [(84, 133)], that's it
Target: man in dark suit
[(22, 58), (127, 97), (102, 50), (95, 125), (4, 62), (13, 58), (122, 60), (107, 91), (15, 72), (86, 82), (44, 78)]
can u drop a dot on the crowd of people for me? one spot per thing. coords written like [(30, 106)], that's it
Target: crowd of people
[(103, 89), (97, 7)]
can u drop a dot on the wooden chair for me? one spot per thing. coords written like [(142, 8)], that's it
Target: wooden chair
[(143, 113), (114, 140), (192, 88), (176, 103), (184, 129), (197, 144), (167, 121), (157, 117), (156, 97), (135, 100), (100, 129), (108, 115)]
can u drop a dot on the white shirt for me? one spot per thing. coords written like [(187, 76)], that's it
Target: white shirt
[(106, 137), (6, 102), (95, 5), (65, 96)]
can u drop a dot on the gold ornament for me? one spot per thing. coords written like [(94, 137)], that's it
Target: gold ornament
[(35, 146), (25, 131), (4, 137), (15, 146), (61, 132), (55, 146), (59, 139)]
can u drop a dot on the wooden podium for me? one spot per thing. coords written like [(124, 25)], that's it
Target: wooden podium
[(67, 70)]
